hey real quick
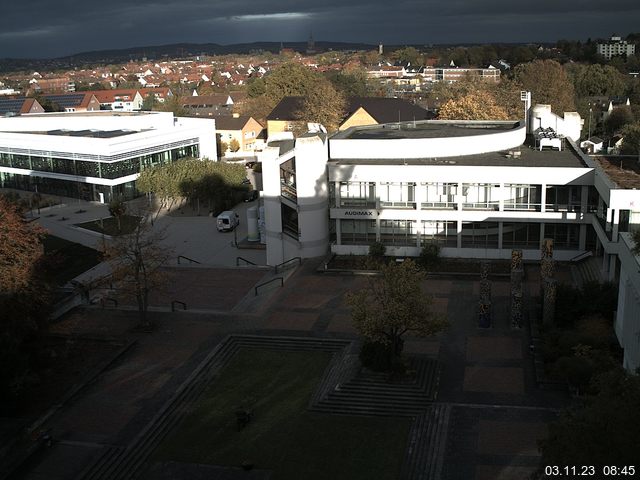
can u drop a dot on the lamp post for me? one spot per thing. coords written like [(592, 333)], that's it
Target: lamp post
[(589, 122)]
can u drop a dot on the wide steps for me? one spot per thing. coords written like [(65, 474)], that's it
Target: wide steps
[(128, 462), (372, 393), (426, 444)]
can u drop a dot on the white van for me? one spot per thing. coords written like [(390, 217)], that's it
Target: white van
[(227, 221)]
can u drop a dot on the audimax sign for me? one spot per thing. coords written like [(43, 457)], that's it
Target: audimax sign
[(354, 214)]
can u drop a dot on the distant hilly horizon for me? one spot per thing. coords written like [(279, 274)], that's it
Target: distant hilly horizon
[(194, 49)]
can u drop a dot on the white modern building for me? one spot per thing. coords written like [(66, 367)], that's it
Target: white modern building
[(477, 189), (96, 155), (616, 46)]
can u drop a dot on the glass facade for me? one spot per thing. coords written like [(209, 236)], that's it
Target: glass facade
[(520, 235), (84, 168), (398, 195), (439, 195), (521, 197), (440, 232), (357, 194), (480, 235), (565, 235), (398, 232), (357, 232)]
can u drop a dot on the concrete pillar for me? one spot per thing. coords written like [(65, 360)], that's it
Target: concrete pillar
[(615, 225), (582, 240), (543, 199), (501, 195), (584, 199), (459, 244), (338, 231), (612, 268), (500, 229)]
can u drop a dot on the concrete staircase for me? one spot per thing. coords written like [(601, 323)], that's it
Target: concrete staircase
[(587, 270), (373, 393), (426, 445), (119, 463)]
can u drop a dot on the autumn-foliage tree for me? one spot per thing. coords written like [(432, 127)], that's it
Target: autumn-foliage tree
[(394, 305), (23, 294), (479, 105), (322, 102), (548, 83)]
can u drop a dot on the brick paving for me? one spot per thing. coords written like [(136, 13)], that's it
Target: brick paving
[(482, 368)]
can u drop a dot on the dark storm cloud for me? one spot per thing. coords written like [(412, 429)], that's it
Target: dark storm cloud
[(45, 28)]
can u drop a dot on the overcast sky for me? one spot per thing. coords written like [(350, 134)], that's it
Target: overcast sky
[(50, 28)]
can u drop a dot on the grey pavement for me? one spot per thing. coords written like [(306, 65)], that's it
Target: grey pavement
[(194, 237)]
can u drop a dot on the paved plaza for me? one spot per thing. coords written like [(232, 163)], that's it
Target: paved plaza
[(495, 412)]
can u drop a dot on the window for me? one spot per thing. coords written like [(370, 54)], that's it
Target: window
[(522, 197), (357, 232), (397, 195), (357, 194), (398, 232), (480, 196), (480, 235), (443, 233), (520, 235), (439, 195)]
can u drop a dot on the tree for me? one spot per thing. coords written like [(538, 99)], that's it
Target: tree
[(24, 296), (604, 430), (352, 84), (631, 139), (479, 105), (255, 87), (234, 145), (20, 248), (136, 261), (597, 80), (617, 119), (548, 83), (289, 79), (394, 305), (324, 105), (407, 55), (117, 209)]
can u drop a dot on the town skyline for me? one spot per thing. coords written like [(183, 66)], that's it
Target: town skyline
[(66, 30)]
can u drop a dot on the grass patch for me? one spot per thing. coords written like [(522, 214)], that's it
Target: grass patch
[(109, 225), (65, 260), (283, 436)]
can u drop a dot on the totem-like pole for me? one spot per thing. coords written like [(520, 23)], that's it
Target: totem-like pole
[(484, 312), (517, 275), (548, 283)]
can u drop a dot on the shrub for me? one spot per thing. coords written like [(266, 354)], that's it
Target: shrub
[(377, 250), (429, 256)]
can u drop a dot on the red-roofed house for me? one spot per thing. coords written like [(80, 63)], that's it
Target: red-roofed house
[(124, 100)]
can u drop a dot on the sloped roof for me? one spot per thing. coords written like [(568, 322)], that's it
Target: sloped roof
[(383, 110), (388, 110), (287, 109), (111, 96), (229, 122)]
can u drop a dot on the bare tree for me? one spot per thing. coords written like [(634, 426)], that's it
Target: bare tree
[(136, 262)]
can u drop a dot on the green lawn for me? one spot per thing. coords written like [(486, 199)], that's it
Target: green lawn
[(109, 225), (283, 436), (66, 260)]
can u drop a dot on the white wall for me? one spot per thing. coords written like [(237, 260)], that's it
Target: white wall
[(442, 147)]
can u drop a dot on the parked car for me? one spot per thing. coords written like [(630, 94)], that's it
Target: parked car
[(227, 221), (251, 196)]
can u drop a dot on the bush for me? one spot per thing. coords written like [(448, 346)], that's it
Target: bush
[(594, 298), (576, 371), (429, 256), (377, 250)]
